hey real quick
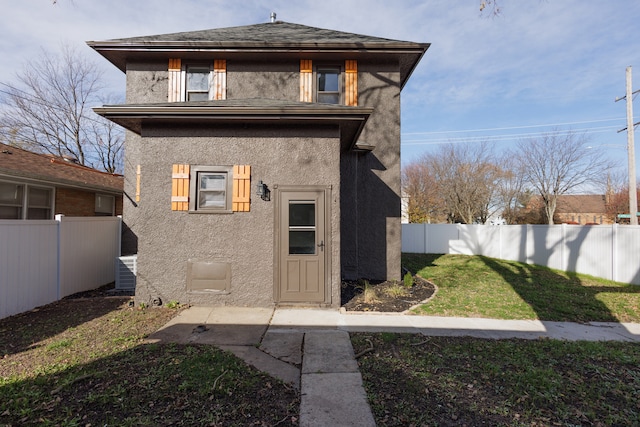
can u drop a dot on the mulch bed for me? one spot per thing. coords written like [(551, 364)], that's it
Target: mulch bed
[(352, 295)]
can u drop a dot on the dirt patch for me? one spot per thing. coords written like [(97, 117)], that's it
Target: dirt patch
[(385, 297)]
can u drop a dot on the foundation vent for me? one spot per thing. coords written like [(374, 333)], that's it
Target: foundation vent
[(126, 270)]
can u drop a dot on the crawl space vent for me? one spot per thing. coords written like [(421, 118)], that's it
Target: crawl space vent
[(126, 272)]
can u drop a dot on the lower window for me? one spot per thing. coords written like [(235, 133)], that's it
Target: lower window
[(211, 189)]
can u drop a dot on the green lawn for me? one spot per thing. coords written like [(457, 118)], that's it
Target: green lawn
[(478, 286)]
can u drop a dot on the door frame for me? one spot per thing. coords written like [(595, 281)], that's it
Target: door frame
[(328, 237)]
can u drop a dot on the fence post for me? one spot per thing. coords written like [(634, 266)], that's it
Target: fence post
[(59, 249), (564, 263), (614, 247)]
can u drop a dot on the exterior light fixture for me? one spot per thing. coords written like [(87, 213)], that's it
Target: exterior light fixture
[(263, 191)]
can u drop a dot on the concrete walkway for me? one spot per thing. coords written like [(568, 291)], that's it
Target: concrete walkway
[(310, 349)]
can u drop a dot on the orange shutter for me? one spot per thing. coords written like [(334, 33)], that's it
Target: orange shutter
[(175, 80), (306, 80), (180, 188), (241, 200), (138, 183), (351, 83), (220, 79)]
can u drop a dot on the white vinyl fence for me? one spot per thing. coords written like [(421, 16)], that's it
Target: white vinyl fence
[(44, 261), (607, 251)]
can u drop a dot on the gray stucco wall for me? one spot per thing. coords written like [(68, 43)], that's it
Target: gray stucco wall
[(371, 229), (168, 239)]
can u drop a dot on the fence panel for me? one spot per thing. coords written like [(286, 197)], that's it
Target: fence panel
[(43, 261), (610, 252), (28, 265), (89, 247)]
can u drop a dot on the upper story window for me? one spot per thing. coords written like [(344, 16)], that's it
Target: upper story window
[(328, 85), (25, 201), (198, 83)]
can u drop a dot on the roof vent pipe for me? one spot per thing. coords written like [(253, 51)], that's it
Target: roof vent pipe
[(273, 17)]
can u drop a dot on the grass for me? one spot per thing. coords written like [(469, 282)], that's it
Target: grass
[(446, 381), (411, 380), (86, 362), (477, 286)]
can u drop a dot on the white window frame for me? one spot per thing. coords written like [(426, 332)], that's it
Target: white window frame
[(24, 207), (196, 192), (316, 75), (184, 94)]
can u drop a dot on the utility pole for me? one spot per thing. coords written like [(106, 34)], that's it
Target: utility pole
[(633, 195)]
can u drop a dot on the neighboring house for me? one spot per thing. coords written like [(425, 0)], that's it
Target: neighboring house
[(265, 160), (582, 209), (575, 209), (39, 186)]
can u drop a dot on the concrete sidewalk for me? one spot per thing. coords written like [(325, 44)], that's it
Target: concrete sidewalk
[(311, 349)]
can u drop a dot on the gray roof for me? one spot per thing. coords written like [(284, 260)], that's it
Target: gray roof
[(277, 33), (275, 40)]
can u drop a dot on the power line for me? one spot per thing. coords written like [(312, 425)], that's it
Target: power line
[(516, 127), (506, 137)]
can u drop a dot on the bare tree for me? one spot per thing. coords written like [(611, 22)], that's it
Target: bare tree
[(560, 163), (49, 110), (425, 200), (458, 183)]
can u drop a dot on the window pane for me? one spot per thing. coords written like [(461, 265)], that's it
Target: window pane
[(38, 213), (212, 191), (198, 79), (328, 80), (197, 96), (10, 212), (302, 214), (302, 242), (11, 193), (212, 199), (329, 98), (104, 204), (212, 181), (39, 197)]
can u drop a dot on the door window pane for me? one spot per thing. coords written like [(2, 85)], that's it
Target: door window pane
[(302, 214), (302, 242)]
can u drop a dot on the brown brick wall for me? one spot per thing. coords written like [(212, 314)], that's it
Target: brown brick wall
[(70, 202)]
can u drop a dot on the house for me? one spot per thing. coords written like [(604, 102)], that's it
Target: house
[(39, 186), (265, 160), (579, 209), (582, 209)]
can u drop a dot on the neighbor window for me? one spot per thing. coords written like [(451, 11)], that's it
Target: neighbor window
[(104, 205), (24, 201), (211, 189), (328, 85), (198, 82)]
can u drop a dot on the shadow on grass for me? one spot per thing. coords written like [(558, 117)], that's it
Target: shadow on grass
[(25, 330), (553, 296), (151, 384)]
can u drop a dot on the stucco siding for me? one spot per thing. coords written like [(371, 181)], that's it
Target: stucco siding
[(271, 80), (375, 202), (168, 239)]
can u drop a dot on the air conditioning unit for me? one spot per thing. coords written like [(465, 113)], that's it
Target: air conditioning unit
[(126, 269)]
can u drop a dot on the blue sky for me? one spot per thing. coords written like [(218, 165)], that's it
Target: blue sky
[(540, 65)]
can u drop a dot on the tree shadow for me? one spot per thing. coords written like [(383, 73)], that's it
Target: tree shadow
[(553, 296), (30, 329)]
